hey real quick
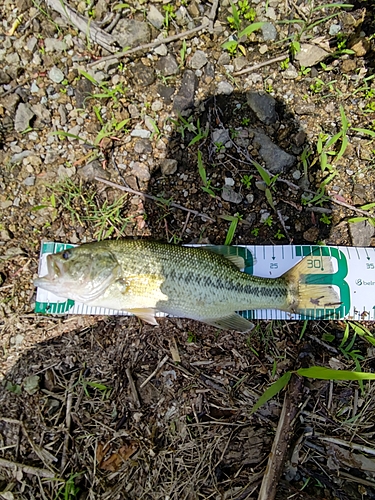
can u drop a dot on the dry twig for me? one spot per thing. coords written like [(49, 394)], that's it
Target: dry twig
[(133, 388), (27, 469), (260, 65), (159, 365), (151, 45), (151, 197), (284, 433)]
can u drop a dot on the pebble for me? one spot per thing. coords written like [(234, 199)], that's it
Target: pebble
[(143, 146), (29, 181), (225, 88), (161, 50), (157, 106), (168, 65), (310, 55), (276, 159), (361, 233), (34, 88), (154, 17), (185, 96), (229, 181), (91, 170), (228, 194), (220, 136), (140, 170), (198, 60), (54, 45), (168, 166), (131, 33), (263, 105), (269, 32), (31, 43), (23, 116), (56, 75), (138, 132)]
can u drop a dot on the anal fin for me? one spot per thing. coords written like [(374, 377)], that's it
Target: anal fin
[(147, 315), (232, 322)]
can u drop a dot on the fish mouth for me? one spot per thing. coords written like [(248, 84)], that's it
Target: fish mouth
[(54, 272)]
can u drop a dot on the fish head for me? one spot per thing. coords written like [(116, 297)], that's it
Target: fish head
[(82, 273)]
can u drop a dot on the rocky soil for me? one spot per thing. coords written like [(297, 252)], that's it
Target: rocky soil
[(134, 120)]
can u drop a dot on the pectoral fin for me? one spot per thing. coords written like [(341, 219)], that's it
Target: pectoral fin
[(232, 322), (147, 315)]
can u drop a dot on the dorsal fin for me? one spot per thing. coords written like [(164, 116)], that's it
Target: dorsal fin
[(230, 253)]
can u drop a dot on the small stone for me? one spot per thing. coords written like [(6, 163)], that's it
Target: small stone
[(240, 63), (310, 54), (143, 75), (133, 110), (311, 234), (334, 29), (12, 59), (348, 65), (131, 33), (264, 216), (198, 60), (29, 181), (4, 77), (228, 194), (361, 233), (276, 159), (31, 44), (168, 166), (269, 32), (154, 17), (220, 136), (92, 170), (296, 175), (140, 170), (185, 96), (264, 106), (56, 75), (360, 46), (143, 146), (54, 45), (157, 106), (34, 89), (250, 198), (161, 50), (138, 132), (224, 59), (23, 116), (167, 65), (290, 73), (5, 235), (224, 88)]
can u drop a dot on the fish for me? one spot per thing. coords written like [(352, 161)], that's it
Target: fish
[(144, 277)]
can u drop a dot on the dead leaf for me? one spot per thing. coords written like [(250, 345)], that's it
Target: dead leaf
[(113, 463)]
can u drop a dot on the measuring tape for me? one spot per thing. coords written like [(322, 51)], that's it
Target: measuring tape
[(353, 277)]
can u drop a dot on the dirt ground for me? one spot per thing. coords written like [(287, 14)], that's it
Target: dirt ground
[(111, 408)]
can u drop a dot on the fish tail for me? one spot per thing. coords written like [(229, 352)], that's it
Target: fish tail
[(310, 286)]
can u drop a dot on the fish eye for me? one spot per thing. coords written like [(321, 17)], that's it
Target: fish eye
[(66, 255)]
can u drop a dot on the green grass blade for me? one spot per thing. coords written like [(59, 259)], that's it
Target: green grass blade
[(365, 131), (264, 175), (250, 29), (322, 373), (274, 389)]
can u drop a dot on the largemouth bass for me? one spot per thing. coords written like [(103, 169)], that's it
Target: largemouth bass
[(145, 277)]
